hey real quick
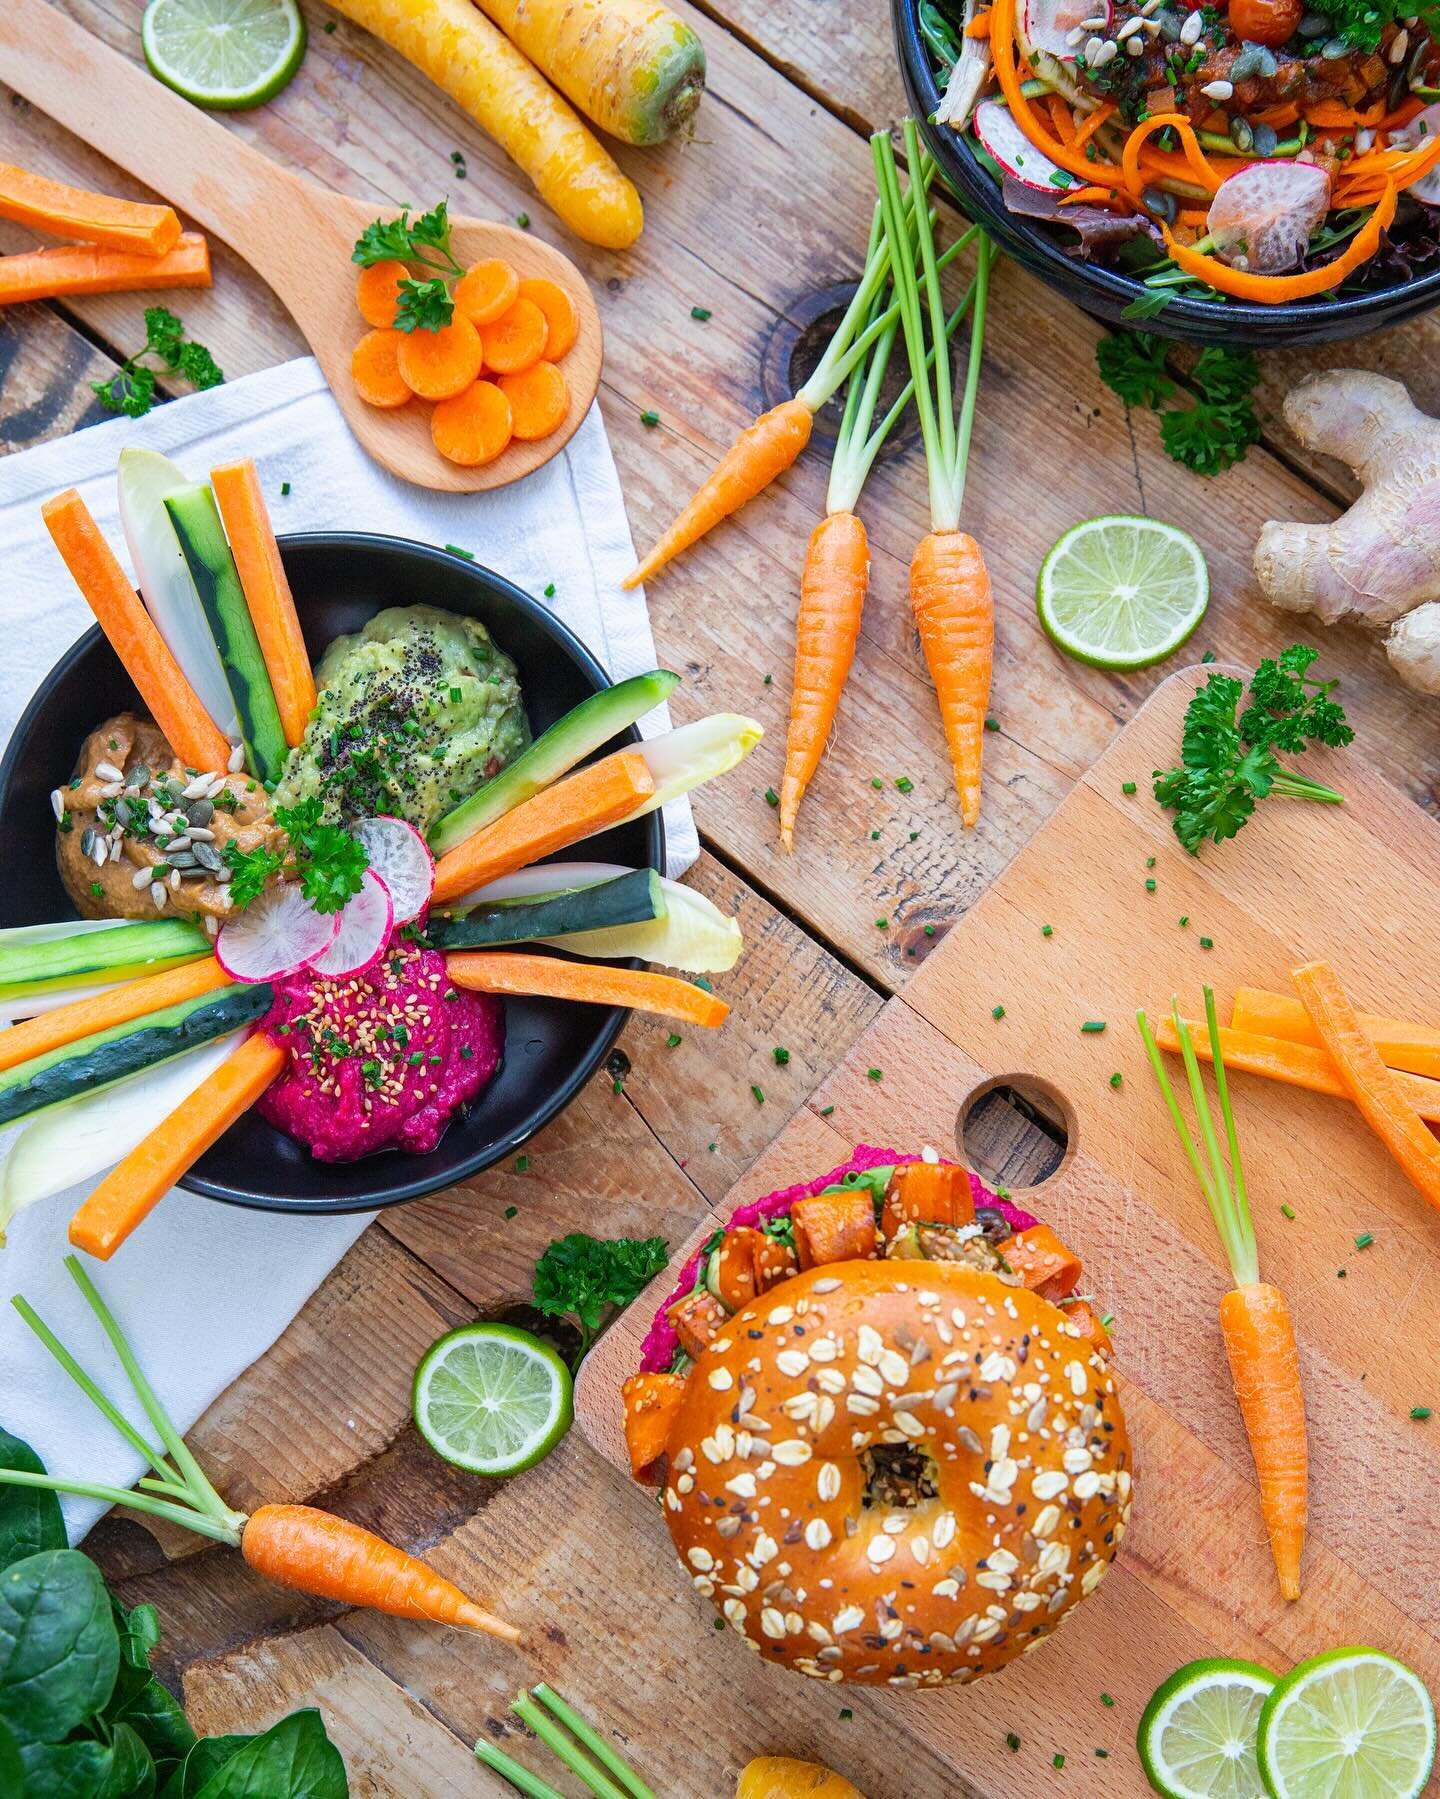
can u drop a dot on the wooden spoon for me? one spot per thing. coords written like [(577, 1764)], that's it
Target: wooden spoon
[(298, 236)]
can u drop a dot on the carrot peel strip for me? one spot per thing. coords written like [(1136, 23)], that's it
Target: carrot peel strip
[(1045, 1264), (1199, 168), (1275, 290)]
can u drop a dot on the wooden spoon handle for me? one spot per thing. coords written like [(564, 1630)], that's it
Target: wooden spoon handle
[(125, 113)]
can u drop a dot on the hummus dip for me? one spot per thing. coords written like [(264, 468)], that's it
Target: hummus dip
[(136, 836), (380, 1060)]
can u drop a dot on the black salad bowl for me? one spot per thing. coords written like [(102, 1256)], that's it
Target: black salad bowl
[(340, 579), (1105, 293)]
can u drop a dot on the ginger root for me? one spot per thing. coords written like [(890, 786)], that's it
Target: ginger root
[(1379, 564)]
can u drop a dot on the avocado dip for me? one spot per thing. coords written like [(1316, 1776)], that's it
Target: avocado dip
[(414, 713)]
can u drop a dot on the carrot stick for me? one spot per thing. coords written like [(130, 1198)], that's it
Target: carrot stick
[(187, 727), (486, 290), (1412, 1047), (562, 321), (65, 211), (316, 1552), (133, 1188), (1375, 1090), (651, 1404), (438, 364), (1265, 1369), (516, 339), (835, 1227), (88, 269), (1045, 1264), (267, 593), (592, 983), (132, 999), (1276, 289), (760, 453), (377, 293), (587, 801), (955, 610), (832, 594), (539, 400), (1297, 1064), (375, 370)]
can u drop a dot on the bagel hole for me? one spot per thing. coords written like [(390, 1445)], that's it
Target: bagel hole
[(898, 1476), (1016, 1131)]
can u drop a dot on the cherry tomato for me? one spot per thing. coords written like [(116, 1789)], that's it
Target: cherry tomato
[(1271, 22)]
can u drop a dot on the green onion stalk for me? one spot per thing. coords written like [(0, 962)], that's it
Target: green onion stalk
[(585, 1752)]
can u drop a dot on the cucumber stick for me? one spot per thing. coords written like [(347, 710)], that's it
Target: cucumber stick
[(568, 741), (82, 956), (633, 898), (196, 519), (109, 1056)]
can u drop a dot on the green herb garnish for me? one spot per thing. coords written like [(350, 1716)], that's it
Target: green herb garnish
[(131, 390), (1218, 427), (425, 304), (327, 860), (581, 1276)]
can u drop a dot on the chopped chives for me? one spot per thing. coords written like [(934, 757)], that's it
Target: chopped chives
[(997, 1011), (1092, 1027), (873, 1073), (673, 1040), (284, 490), (825, 1111), (1420, 1413), (1364, 1240), (702, 313), (905, 784), (1150, 886), (1127, 787), (771, 797), (522, 1164), (650, 420), (1207, 943), (882, 924), (759, 1094), (1047, 930), (1012, 1742), (782, 1056), (1288, 1210), (992, 724), (1117, 1079)]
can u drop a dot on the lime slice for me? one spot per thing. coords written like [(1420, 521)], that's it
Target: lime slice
[(492, 1399), (1197, 1735), (1351, 1724), (1122, 592), (227, 54)]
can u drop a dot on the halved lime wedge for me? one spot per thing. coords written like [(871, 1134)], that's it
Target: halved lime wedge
[(492, 1399), (1351, 1724), (1121, 593), (226, 54), (1197, 1735)]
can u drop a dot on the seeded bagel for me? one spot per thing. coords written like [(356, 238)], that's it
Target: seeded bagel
[(896, 1474)]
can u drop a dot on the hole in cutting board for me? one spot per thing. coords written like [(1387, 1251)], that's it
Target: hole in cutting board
[(795, 346), (1016, 1131)]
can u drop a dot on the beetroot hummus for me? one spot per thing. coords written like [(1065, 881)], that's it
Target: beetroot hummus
[(379, 1060)]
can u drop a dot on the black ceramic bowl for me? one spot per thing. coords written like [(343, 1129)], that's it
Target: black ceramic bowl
[(1102, 291), (341, 579)]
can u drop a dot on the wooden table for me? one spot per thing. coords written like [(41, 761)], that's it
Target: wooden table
[(761, 213)]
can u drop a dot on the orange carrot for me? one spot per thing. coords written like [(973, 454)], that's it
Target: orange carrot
[(1089, 1323), (1332, 116), (927, 1193), (1003, 54), (516, 339), (184, 722), (267, 593), (651, 1404), (132, 999), (835, 1227), (587, 801), (539, 400), (979, 26), (955, 610), (1045, 1264), (316, 1552), (697, 1320), (832, 594), (1265, 1369), (1200, 171), (1276, 289), (760, 453), (732, 1266), (591, 983), (1413, 1047), (1375, 1090), (562, 320), (437, 364), (375, 370), (1092, 123), (474, 427), (486, 290), (65, 211), (89, 269), (377, 293), (1304, 1065)]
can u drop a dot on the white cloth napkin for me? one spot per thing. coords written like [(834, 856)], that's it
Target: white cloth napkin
[(204, 1289)]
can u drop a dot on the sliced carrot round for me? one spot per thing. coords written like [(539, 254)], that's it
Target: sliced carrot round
[(516, 339), (375, 369), (473, 427), (488, 289), (539, 399), (377, 292), (561, 319), (437, 364)]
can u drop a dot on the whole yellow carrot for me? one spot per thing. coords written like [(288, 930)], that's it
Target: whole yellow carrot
[(453, 43)]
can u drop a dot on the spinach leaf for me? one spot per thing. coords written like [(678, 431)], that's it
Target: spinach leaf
[(12, 1769), (139, 1633), (157, 1718), (294, 1759), (30, 1518), (59, 1651), (67, 1770), (208, 1756), (132, 1770)]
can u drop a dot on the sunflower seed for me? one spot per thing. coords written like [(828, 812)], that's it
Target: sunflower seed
[(197, 789), (107, 771), (1219, 90), (1107, 54), (112, 790), (222, 875), (1401, 43), (179, 842), (141, 877), (217, 785), (237, 758), (201, 834), (158, 895), (1135, 46), (1075, 36), (174, 879), (1128, 30), (1191, 29), (57, 805), (212, 926)]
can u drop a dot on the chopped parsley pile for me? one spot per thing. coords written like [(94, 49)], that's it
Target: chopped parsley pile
[(581, 1277)]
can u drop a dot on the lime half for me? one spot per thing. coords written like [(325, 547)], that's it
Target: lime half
[(1197, 1735), (1122, 592), (492, 1399), (228, 54), (1352, 1724)]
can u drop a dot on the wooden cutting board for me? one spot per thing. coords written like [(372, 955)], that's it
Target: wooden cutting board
[(1357, 884)]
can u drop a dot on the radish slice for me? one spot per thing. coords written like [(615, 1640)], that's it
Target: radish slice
[(1421, 130), (275, 935), (1048, 24), (365, 926), (1262, 216), (996, 128), (398, 854)]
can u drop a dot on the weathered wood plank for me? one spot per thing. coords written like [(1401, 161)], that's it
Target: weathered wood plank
[(46, 369)]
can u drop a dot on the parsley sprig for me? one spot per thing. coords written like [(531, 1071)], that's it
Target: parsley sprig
[(581, 1277), (425, 303), (1215, 430), (131, 390), (1228, 757), (327, 860), (1362, 22)]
